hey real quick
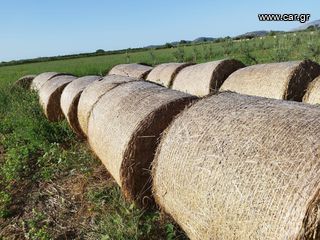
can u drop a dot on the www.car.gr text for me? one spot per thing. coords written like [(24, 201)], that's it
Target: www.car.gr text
[(302, 18)]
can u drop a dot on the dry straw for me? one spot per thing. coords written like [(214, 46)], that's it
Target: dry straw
[(202, 79), (42, 78), (124, 128), (50, 94), (91, 95), (242, 167), (312, 95), (25, 81), (286, 80), (133, 70), (70, 99), (164, 74)]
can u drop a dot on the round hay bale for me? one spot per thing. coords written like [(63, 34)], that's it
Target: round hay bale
[(124, 128), (286, 80), (312, 95), (50, 94), (42, 78), (25, 81), (91, 95), (164, 74), (133, 70), (242, 167), (202, 79), (70, 99)]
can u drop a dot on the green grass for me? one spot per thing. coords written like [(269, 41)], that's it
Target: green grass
[(52, 186)]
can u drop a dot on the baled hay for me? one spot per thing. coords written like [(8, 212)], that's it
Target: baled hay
[(286, 80), (312, 95), (202, 79), (242, 167), (133, 70), (164, 74), (91, 95), (70, 99), (42, 78), (124, 128), (25, 81), (50, 94)]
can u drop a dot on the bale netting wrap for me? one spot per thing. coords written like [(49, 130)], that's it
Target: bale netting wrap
[(312, 95), (70, 99), (241, 167), (91, 95), (165, 73), (133, 70), (285, 80), (202, 79), (124, 128), (50, 94), (42, 78), (25, 81)]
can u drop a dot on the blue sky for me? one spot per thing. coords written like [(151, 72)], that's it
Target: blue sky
[(34, 28)]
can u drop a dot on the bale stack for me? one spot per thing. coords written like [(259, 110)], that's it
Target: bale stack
[(286, 80), (91, 95), (50, 94), (124, 128), (25, 81), (42, 78), (312, 95), (202, 79), (242, 167), (70, 99), (133, 70), (164, 74)]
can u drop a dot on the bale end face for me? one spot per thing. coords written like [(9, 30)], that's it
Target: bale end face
[(135, 175), (300, 78)]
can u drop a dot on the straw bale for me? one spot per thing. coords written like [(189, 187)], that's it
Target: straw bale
[(25, 81), (91, 95), (241, 167), (165, 73), (124, 128), (70, 99), (202, 79), (42, 78), (285, 80), (50, 94), (133, 70)]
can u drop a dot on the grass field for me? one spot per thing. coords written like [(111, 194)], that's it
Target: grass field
[(53, 187)]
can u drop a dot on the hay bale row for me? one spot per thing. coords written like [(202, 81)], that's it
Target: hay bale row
[(91, 95), (242, 167), (25, 81), (164, 74), (70, 99), (133, 70), (124, 128), (42, 78), (205, 78), (312, 95), (286, 80), (50, 94)]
